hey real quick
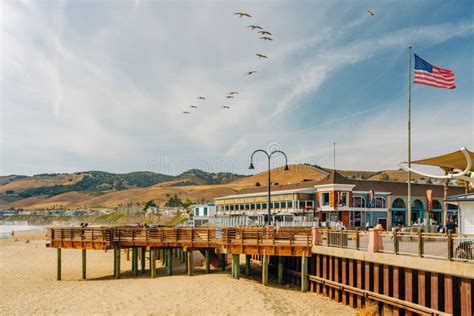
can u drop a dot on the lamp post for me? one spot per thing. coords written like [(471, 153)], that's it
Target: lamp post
[(269, 156)]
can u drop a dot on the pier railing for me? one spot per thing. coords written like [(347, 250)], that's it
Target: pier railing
[(454, 247)]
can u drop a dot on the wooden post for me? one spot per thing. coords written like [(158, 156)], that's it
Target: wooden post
[(386, 288), (337, 292), (359, 283), (448, 294), (422, 287), (236, 266), (135, 261), (185, 254), (466, 303), (396, 288), (420, 243), (281, 269), (351, 283), (367, 277), (128, 254), (265, 269), (318, 272), (344, 279), (395, 242), (450, 246), (163, 257), (169, 259), (325, 276), (84, 264), (434, 291), (190, 262), (117, 262), (304, 273), (247, 265), (208, 261), (152, 263), (58, 277), (408, 287), (223, 261), (143, 256), (330, 261)]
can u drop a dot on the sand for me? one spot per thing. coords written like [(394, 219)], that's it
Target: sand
[(28, 286)]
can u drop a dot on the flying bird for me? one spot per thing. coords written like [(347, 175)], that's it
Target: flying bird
[(242, 14), (193, 106), (201, 98), (371, 13), (266, 38), (186, 112), (264, 33), (232, 92), (261, 56), (225, 107), (229, 96), (250, 72), (253, 27)]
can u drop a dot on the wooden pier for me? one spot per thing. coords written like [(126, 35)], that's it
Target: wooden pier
[(410, 273)]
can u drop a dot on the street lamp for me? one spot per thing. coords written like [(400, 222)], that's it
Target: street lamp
[(251, 167)]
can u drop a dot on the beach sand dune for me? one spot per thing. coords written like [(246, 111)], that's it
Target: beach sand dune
[(28, 286)]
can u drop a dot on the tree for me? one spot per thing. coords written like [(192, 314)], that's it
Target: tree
[(148, 204)]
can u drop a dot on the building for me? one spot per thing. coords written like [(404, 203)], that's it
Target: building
[(202, 213), (354, 202)]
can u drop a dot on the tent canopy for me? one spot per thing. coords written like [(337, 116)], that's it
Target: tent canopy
[(454, 160)]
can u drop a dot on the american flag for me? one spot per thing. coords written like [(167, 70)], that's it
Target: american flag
[(430, 75)]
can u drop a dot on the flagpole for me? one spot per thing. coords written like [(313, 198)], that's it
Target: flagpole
[(409, 136)]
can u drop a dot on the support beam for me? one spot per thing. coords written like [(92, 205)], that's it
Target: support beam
[(265, 260), (223, 261), (304, 274), (434, 290), (143, 256), (185, 261), (466, 295), (190, 262), (344, 279), (247, 265), (422, 288), (281, 269), (163, 257), (152, 263), (386, 288), (169, 259), (396, 288), (84, 264), (58, 276), (359, 283), (117, 262), (408, 287), (135, 261), (352, 302), (337, 292), (236, 266), (330, 278), (325, 275), (208, 261), (448, 294)]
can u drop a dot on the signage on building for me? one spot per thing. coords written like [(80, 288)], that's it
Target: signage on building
[(429, 200)]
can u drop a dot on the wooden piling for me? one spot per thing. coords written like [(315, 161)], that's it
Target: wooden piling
[(190, 262), (223, 261), (351, 283), (318, 272), (208, 261), (325, 276), (185, 254), (117, 262), (163, 257), (337, 292), (422, 288), (58, 276), (265, 261), (386, 288), (408, 287), (466, 303), (359, 283), (396, 288), (304, 273), (83, 264), (448, 294), (330, 264), (247, 265), (281, 269), (152, 263), (128, 254), (344, 279), (236, 266), (169, 260), (143, 258), (434, 290), (135, 261)]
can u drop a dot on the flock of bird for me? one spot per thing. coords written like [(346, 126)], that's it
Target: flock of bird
[(264, 36)]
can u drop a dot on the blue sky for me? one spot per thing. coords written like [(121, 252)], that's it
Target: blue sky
[(100, 85)]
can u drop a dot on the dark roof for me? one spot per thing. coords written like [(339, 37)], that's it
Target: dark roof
[(334, 177)]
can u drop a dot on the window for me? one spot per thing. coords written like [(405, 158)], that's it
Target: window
[(342, 198), (205, 211), (247, 206), (283, 205), (227, 207), (259, 206), (437, 205), (264, 205), (277, 204), (241, 207), (417, 204), (358, 201), (196, 211), (231, 207), (325, 198), (398, 203), (380, 202), (290, 204), (309, 203), (301, 204)]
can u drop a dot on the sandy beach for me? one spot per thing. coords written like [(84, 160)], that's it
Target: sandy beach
[(28, 286)]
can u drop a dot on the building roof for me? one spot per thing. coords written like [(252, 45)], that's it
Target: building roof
[(395, 188), (454, 160), (460, 198)]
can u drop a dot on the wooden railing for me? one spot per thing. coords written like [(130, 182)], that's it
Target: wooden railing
[(267, 239)]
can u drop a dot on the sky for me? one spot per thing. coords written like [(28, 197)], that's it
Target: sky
[(101, 85)]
